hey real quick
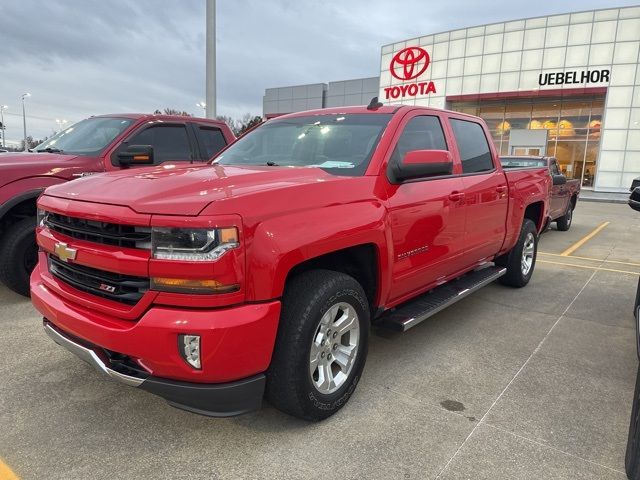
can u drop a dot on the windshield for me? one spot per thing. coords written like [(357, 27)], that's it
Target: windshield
[(517, 162), (88, 137), (341, 144)]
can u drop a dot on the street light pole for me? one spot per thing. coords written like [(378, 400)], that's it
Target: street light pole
[(4, 127), (60, 123), (24, 121), (203, 106), (211, 59)]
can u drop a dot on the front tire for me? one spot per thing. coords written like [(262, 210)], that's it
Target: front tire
[(564, 222), (18, 255), (632, 457), (521, 260), (321, 345)]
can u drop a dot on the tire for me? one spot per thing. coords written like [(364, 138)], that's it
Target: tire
[(527, 246), (294, 386), (564, 223), (18, 255), (632, 457)]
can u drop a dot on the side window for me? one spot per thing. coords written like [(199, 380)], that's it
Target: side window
[(473, 146), (421, 133), (554, 168), (211, 139), (170, 143)]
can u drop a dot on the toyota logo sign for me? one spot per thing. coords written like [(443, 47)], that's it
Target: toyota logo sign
[(409, 63)]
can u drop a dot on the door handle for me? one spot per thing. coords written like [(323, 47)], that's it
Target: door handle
[(502, 189), (456, 196)]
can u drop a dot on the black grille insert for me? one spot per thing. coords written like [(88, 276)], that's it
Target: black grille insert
[(126, 236), (113, 286)]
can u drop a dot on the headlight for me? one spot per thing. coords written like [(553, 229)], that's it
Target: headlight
[(192, 244), (41, 217)]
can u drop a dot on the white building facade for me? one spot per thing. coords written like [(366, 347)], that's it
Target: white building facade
[(574, 76)]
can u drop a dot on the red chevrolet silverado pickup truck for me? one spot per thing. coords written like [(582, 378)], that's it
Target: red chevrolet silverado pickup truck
[(262, 273), (97, 144)]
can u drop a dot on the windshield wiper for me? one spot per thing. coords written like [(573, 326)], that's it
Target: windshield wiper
[(50, 150), (272, 164)]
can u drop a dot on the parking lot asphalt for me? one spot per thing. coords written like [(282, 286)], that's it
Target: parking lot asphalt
[(509, 383)]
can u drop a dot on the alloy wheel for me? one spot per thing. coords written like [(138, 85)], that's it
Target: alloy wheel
[(334, 348)]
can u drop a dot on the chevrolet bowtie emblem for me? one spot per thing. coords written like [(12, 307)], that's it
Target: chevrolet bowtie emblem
[(65, 253)]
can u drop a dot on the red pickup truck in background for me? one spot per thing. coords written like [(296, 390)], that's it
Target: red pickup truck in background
[(97, 144), (564, 192), (263, 272)]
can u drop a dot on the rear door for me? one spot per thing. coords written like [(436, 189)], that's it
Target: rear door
[(485, 191), (210, 140), (427, 215)]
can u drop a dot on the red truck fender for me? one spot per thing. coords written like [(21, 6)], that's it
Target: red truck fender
[(23, 190), (527, 200), (280, 244)]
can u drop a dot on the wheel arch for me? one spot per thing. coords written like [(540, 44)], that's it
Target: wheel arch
[(359, 261), (535, 212), (574, 201), (19, 207)]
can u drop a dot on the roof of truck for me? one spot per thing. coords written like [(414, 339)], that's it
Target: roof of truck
[(385, 109), (160, 116)]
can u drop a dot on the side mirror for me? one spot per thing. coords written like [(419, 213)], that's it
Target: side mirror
[(559, 179), (136, 155), (634, 199), (421, 164)]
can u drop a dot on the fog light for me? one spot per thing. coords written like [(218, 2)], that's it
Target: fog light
[(189, 348)]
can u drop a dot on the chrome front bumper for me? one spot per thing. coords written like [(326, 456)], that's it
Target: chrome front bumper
[(90, 357), (215, 400)]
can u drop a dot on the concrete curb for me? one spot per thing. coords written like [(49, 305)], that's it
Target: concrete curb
[(603, 200)]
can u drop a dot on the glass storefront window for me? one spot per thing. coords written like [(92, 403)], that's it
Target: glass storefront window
[(493, 115), (551, 147), (573, 126), (518, 114)]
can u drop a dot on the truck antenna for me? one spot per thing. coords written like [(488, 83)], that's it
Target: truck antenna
[(374, 104)]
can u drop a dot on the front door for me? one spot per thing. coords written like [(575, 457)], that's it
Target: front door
[(427, 216)]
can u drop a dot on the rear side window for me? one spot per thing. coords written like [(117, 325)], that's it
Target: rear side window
[(473, 146), (421, 133), (170, 143), (212, 140)]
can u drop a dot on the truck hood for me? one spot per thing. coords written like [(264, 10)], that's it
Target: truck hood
[(184, 190), (14, 166)]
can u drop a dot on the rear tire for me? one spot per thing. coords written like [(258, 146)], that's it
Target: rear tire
[(314, 369), (564, 223), (632, 457), (18, 255), (521, 260)]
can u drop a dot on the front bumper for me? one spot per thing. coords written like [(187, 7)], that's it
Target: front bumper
[(220, 400), (236, 342), (236, 347)]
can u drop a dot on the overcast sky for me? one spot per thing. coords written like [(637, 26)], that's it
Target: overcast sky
[(84, 57)]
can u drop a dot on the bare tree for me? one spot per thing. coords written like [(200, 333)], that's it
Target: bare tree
[(173, 111), (31, 143), (248, 122)]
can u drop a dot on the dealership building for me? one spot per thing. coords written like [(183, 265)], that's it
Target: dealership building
[(564, 85)]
